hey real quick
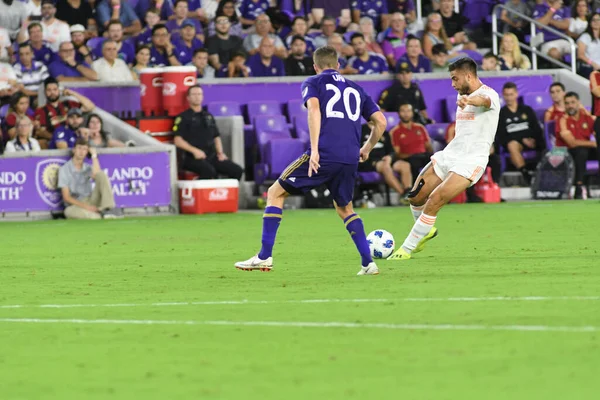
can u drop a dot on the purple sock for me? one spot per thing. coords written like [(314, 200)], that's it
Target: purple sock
[(271, 221), (356, 229)]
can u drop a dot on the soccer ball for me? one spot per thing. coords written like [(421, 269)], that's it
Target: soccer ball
[(381, 243)]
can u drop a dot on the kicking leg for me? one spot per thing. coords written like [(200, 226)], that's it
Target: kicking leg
[(356, 229), (271, 220), (425, 183)]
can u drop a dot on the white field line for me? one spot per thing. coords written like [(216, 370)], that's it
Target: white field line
[(286, 324), (310, 301)]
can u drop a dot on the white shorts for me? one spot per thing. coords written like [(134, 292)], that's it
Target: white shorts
[(562, 45), (443, 165)]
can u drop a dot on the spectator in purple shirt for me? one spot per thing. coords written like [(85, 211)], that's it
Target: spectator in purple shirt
[(125, 50), (65, 68), (152, 18), (394, 42), (377, 10), (332, 8), (553, 14), (250, 9), (414, 58), (181, 11), (264, 63), (404, 7), (187, 43), (194, 10), (364, 62), (236, 68), (41, 50), (162, 51)]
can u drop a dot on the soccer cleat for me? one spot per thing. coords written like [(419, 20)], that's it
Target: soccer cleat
[(255, 263), (400, 254), (370, 269), (432, 233)]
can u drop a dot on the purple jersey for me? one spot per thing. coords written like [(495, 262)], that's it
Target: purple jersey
[(371, 8), (401, 6), (167, 8), (342, 103), (258, 68), (63, 134), (423, 64), (44, 54), (560, 15), (173, 27), (250, 9), (376, 64), (184, 53), (144, 38)]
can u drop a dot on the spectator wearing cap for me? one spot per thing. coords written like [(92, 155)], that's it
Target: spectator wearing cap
[(13, 16), (439, 58), (265, 63), (65, 135), (82, 53), (377, 11), (404, 90), (125, 51), (66, 68), (54, 112), (263, 28), (366, 63), (298, 63), (41, 50), (180, 17), (23, 142), (414, 58), (110, 68), (108, 10), (162, 51), (55, 31), (200, 61), (250, 10), (30, 73), (223, 44), (300, 28), (187, 43), (77, 12), (75, 177), (393, 41)]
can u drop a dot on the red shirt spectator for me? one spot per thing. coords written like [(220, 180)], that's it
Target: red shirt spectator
[(411, 138), (582, 128)]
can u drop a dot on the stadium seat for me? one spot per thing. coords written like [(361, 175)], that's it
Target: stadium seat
[(437, 133), (392, 118), (301, 129), (224, 108), (539, 113), (537, 100), (268, 128), (549, 134), (295, 108), (258, 108), (451, 108)]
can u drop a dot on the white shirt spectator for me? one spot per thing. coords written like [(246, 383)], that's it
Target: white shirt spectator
[(7, 75), (253, 40), (210, 8), (577, 26), (31, 78), (592, 47), (11, 17), (117, 72), (15, 145), (55, 33), (33, 9), (4, 43)]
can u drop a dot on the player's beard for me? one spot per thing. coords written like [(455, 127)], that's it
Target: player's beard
[(53, 99), (464, 89)]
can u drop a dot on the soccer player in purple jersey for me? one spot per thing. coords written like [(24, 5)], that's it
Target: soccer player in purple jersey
[(335, 105)]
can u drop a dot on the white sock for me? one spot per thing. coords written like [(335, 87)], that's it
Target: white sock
[(416, 211), (421, 228)]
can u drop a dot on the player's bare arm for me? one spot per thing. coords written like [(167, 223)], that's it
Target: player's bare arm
[(379, 124), (569, 138), (314, 128), (477, 101)]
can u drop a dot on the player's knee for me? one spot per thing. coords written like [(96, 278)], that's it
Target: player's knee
[(384, 168), (513, 146), (437, 199), (275, 192)]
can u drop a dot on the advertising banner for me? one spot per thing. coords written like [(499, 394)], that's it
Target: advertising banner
[(137, 180)]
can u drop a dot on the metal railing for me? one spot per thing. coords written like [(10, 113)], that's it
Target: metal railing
[(534, 36)]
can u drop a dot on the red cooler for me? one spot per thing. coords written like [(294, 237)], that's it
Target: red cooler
[(176, 81), (487, 189), (208, 196), (151, 82)]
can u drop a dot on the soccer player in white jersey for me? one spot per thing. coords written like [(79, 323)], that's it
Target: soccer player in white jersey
[(462, 163)]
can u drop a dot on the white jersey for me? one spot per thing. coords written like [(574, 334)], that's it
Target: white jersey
[(475, 129)]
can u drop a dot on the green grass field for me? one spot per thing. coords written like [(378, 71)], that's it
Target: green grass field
[(504, 304)]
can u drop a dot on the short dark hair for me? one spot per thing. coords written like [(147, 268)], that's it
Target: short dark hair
[(405, 103), (24, 44), (152, 10), (572, 94), (509, 85), (200, 50), (179, 1), (490, 55), (113, 22), (142, 47), (297, 37), (33, 24), (412, 37), (297, 18), (49, 81), (357, 35), (559, 84), (325, 57), (327, 18), (192, 88), (81, 142), (157, 27), (466, 64), (439, 48), (238, 53)]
